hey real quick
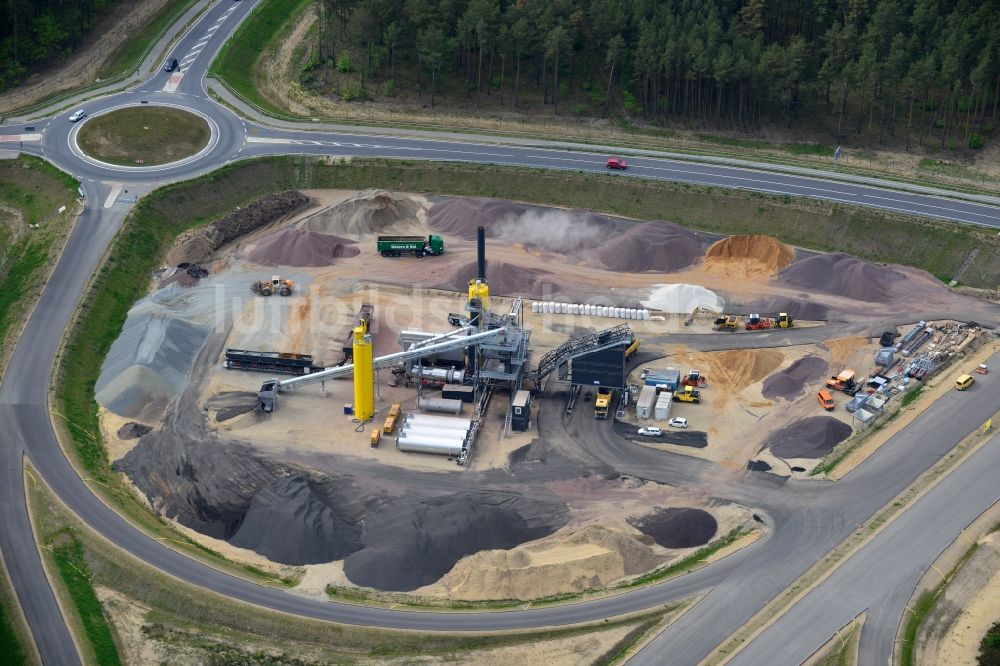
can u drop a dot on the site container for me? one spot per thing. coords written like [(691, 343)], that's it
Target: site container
[(645, 403)]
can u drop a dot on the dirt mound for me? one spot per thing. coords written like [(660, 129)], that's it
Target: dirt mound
[(750, 255), (736, 369), (788, 383), (462, 216), (289, 521), (842, 275), (368, 212), (587, 558), (505, 280), (412, 543), (133, 430), (652, 246), (299, 247), (677, 527), (813, 437), (798, 310), (198, 245)]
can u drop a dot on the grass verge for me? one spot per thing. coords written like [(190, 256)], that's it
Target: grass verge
[(13, 636), (130, 53), (188, 625), (66, 555), (147, 135)]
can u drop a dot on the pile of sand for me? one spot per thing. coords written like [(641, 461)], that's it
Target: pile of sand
[(505, 280), (299, 247), (198, 245), (842, 275), (368, 212), (788, 383), (652, 246), (812, 437), (734, 370), (749, 256), (683, 298), (577, 560), (677, 527), (413, 542)]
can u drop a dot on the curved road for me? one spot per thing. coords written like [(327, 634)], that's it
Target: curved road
[(808, 518)]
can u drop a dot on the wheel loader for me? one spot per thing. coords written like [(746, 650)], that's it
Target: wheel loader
[(276, 285)]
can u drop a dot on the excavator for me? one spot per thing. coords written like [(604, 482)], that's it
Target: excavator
[(276, 284), (696, 312)]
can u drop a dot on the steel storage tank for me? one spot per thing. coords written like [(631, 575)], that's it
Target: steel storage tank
[(429, 445), (440, 405), (450, 421), (425, 432), (446, 375)]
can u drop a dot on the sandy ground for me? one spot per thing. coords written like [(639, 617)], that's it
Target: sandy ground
[(967, 609)]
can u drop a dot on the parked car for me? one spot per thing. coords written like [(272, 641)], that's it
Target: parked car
[(650, 431), (79, 114), (616, 163), (678, 422), (171, 65)]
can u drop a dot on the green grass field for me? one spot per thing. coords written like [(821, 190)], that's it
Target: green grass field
[(146, 135), (10, 645)]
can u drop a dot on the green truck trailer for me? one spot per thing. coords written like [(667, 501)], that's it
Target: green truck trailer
[(394, 246)]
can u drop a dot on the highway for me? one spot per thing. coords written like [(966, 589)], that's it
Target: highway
[(807, 518)]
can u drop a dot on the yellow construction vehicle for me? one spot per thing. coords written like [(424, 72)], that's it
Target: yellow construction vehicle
[(276, 285), (699, 310), (727, 323), (602, 403), (687, 394), (783, 321), (632, 348)]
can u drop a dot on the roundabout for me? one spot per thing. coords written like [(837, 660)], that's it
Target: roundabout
[(145, 136)]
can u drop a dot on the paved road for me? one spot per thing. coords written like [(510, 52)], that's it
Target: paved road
[(808, 518)]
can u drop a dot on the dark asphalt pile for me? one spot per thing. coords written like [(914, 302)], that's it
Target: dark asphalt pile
[(230, 404), (788, 383), (677, 527), (842, 275), (413, 542), (797, 309), (293, 521), (813, 437), (462, 216), (505, 280), (653, 246), (198, 245), (299, 247), (133, 430)]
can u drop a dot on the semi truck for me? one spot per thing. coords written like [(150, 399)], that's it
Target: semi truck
[(418, 246), (602, 403)]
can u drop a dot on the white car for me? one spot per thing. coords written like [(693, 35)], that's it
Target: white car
[(79, 114), (678, 422), (650, 431)]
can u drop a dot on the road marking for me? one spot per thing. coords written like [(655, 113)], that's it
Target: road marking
[(263, 139), (116, 188), (174, 81)]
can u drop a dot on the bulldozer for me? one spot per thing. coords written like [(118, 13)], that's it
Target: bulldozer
[(687, 394), (276, 285)]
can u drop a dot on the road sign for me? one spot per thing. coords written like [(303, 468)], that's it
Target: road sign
[(837, 153)]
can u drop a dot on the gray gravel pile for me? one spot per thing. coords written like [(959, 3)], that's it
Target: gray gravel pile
[(199, 245), (292, 521), (653, 246), (462, 216), (797, 309), (413, 542), (790, 382), (368, 212), (133, 430), (813, 437), (677, 527), (230, 404), (505, 280), (842, 275), (300, 247)]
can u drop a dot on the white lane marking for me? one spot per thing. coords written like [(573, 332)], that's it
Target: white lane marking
[(115, 189), (201, 43), (174, 81), (264, 139), (193, 52)]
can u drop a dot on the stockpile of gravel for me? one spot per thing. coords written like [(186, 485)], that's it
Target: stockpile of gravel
[(291, 521), (652, 246), (198, 245), (813, 437), (462, 216), (505, 280), (368, 212), (299, 247), (842, 275), (133, 430), (230, 404), (797, 309), (788, 383), (677, 527), (413, 542)]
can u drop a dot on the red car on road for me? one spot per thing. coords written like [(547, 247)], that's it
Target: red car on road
[(616, 163)]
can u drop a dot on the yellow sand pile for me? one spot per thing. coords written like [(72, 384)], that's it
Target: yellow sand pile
[(748, 256), (736, 369), (572, 560)]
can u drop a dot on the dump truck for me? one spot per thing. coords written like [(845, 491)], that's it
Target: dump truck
[(418, 246), (276, 285), (687, 394), (602, 403)]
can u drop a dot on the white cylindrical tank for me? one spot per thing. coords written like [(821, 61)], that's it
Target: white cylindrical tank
[(437, 419), (446, 375), (410, 431), (429, 445), (440, 405), (458, 426)]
